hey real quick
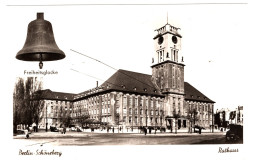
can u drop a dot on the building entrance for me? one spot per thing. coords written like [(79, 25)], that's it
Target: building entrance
[(179, 124), (184, 123)]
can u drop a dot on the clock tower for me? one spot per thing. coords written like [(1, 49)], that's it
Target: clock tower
[(168, 68)]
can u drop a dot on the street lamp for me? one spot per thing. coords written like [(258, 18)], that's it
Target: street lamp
[(146, 118), (46, 118)]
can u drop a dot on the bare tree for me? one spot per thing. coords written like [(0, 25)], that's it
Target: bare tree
[(18, 103), (82, 119), (192, 117), (34, 104), (27, 103), (65, 117)]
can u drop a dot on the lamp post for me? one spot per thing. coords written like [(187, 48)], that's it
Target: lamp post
[(212, 120), (46, 118), (146, 118)]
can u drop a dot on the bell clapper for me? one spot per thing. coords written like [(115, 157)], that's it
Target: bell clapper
[(41, 63)]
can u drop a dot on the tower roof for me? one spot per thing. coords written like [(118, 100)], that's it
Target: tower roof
[(167, 28)]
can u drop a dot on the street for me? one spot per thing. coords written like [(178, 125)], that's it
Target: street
[(84, 139)]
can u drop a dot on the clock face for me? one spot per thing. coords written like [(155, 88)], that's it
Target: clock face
[(160, 40), (174, 39)]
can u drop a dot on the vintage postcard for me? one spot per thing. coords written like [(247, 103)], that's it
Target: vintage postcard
[(158, 81)]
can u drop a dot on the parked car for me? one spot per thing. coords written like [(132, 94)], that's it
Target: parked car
[(23, 132), (20, 131), (197, 129), (54, 129), (235, 132)]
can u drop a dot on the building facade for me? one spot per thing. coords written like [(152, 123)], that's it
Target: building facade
[(130, 99), (225, 116)]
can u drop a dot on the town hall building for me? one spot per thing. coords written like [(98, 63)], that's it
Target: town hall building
[(131, 99)]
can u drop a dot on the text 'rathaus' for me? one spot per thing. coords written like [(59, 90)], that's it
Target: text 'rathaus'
[(131, 100)]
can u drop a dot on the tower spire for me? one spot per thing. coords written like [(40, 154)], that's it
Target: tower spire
[(167, 17)]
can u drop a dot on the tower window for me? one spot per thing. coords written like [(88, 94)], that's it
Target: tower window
[(163, 54), (174, 55), (160, 56)]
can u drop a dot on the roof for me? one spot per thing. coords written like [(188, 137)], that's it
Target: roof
[(127, 82), (50, 95), (191, 93), (131, 82)]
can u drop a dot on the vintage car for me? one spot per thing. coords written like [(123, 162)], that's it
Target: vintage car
[(54, 129), (23, 132), (197, 129), (235, 132)]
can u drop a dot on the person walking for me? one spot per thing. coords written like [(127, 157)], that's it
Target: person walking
[(64, 130), (113, 129)]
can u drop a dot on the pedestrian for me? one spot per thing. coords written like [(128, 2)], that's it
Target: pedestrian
[(64, 130), (155, 130), (145, 130), (113, 129), (26, 134)]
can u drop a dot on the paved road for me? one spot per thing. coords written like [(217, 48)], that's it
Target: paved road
[(82, 139)]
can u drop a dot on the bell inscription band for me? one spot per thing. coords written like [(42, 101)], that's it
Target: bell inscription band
[(40, 44)]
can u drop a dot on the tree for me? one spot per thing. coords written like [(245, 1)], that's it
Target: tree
[(27, 103), (82, 119), (66, 119), (34, 104), (18, 103), (117, 120), (176, 115), (192, 117)]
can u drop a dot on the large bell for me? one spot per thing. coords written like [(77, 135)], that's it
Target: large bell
[(40, 44)]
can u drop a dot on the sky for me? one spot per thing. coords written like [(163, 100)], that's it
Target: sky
[(219, 46), (213, 44)]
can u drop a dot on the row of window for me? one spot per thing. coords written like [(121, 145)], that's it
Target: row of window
[(141, 102), (146, 111), (106, 119), (143, 120), (94, 100), (199, 107)]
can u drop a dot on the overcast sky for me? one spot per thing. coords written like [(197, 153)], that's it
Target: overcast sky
[(213, 44)]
